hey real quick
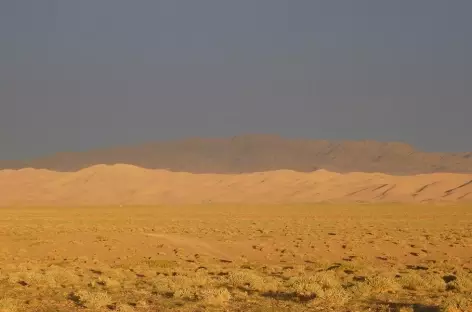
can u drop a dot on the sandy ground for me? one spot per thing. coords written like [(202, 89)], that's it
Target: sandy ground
[(128, 185), (266, 234), (384, 257)]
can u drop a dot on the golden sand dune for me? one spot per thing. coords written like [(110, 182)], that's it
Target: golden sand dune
[(130, 185)]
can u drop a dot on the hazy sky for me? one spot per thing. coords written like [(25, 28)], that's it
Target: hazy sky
[(92, 73)]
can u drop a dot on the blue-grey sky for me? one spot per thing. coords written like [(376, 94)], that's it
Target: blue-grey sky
[(93, 73)]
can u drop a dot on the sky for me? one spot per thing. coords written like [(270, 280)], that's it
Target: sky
[(77, 75)]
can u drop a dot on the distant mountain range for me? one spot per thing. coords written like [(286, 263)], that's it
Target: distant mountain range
[(256, 153)]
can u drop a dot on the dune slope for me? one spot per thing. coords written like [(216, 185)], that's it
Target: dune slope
[(130, 185)]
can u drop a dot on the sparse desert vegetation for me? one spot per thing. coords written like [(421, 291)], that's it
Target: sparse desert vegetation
[(237, 258)]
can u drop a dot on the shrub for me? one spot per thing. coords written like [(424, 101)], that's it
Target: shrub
[(94, 300), (251, 281), (215, 296)]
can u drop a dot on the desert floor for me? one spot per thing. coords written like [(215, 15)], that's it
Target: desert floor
[(384, 257)]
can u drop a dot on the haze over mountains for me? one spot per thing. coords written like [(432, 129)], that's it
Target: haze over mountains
[(257, 153)]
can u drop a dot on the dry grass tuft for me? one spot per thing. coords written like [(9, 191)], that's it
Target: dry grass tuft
[(249, 280), (124, 308), (315, 286), (457, 303), (380, 284), (53, 277), (186, 292), (415, 281), (93, 300), (181, 287), (335, 297), (462, 283), (306, 287), (215, 296)]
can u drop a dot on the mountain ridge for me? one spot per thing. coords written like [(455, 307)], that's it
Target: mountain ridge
[(257, 153)]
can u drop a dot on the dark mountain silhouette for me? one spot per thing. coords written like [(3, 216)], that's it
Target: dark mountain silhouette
[(254, 153)]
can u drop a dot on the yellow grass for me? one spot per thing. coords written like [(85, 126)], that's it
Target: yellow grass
[(236, 258)]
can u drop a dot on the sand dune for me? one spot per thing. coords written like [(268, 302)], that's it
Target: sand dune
[(130, 185)]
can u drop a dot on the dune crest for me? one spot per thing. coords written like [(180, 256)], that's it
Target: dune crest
[(131, 185)]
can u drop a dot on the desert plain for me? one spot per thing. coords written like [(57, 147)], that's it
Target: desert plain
[(315, 257), (123, 238)]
